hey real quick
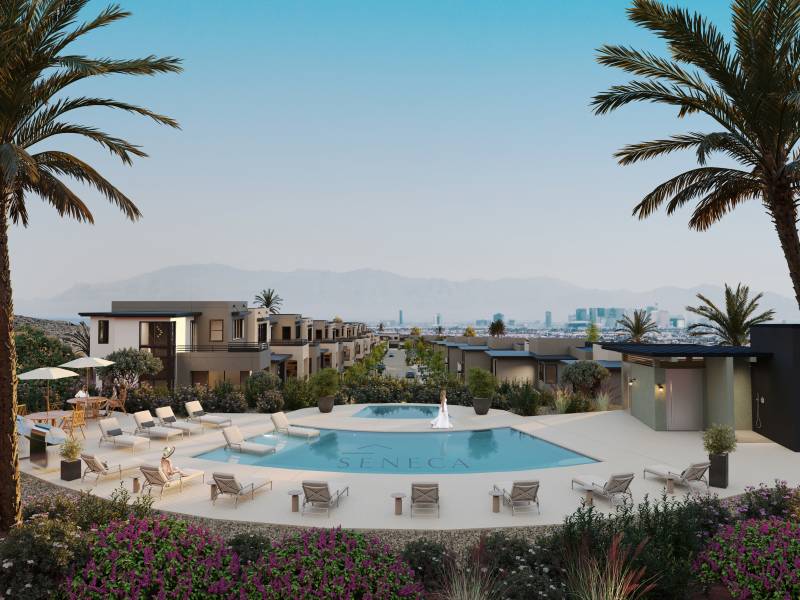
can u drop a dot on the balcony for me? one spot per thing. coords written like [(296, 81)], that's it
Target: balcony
[(224, 347), (300, 342)]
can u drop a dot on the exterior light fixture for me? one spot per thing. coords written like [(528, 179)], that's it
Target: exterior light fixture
[(660, 387), (632, 380)]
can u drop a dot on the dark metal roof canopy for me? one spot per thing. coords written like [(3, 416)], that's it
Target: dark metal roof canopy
[(685, 350)]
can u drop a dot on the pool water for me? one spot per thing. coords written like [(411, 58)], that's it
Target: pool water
[(488, 450), (399, 411)]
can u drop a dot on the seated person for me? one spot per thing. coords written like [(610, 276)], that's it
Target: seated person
[(169, 469), (83, 392)]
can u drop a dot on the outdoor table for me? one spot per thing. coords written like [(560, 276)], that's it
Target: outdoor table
[(92, 405), (295, 494), (52, 416), (496, 495), (398, 502)]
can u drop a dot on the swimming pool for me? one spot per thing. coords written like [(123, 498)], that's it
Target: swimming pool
[(488, 450), (398, 411)]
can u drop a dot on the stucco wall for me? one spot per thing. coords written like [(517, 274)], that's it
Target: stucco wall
[(476, 359), (642, 398), (742, 394), (514, 369), (718, 405)]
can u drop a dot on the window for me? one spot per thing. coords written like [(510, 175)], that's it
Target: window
[(262, 332), (102, 331), (215, 330), (238, 329), (541, 372), (286, 333), (297, 335)]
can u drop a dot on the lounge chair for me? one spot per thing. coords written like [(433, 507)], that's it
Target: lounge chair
[(227, 484), (616, 485), (282, 426), (424, 497), (235, 441), (146, 425), (167, 418), (523, 495), (695, 472), (111, 432), (154, 476), (196, 413), (317, 495), (99, 467)]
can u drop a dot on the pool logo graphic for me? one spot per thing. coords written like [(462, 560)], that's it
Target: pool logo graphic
[(369, 457)]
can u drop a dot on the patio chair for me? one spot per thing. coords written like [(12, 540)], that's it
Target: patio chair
[(695, 472), (111, 432), (615, 486), (282, 426), (523, 495), (424, 497), (146, 425), (167, 418), (154, 476), (196, 413), (235, 441), (317, 495), (100, 467), (76, 420), (228, 484), (118, 402)]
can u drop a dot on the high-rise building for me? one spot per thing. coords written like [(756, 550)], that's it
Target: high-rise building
[(581, 314), (548, 319), (400, 320), (438, 318), (498, 317)]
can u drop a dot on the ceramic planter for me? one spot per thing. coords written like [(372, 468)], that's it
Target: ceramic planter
[(718, 472), (481, 405), (325, 404), (70, 470)]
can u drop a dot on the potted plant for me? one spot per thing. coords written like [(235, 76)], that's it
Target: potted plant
[(70, 462), (719, 441), (481, 385), (325, 384)]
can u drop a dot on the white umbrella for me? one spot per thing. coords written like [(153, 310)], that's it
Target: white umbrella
[(87, 362), (46, 374)]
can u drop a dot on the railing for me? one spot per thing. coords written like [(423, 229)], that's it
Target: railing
[(224, 347), (300, 342)]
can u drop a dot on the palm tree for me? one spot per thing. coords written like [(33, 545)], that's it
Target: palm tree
[(638, 327), (270, 300), (39, 62), (79, 338), (732, 325), (497, 328), (749, 87), (380, 326)]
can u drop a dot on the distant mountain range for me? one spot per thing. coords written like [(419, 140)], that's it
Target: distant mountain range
[(375, 295)]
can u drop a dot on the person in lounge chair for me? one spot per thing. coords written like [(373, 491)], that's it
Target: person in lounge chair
[(166, 463)]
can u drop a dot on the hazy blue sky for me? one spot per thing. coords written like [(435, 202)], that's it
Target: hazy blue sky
[(427, 138)]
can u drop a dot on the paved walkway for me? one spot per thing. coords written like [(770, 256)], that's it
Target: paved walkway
[(616, 439)]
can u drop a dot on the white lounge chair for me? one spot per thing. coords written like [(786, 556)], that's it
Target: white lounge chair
[(167, 418), (317, 496), (196, 413), (616, 485), (100, 467), (695, 472), (235, 441), (424, 497), (111, 432), (523, 495), (282, 426), (154, 476), (228, 484), (146, 425)]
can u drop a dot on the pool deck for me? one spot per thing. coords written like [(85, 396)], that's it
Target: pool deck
[(615, 438)]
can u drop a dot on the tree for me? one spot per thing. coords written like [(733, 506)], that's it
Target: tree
[(585, 376), (37, 349), (732, 325), (39, 46), (270, 300), (748, 87), (415, 332), (497, 328), (637, 328), (469, 331), (592, 332), (130, 365), (79, 339)]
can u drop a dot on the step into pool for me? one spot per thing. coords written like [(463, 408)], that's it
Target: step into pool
[(453, 452)]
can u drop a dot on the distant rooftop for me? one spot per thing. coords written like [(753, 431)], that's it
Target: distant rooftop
[(142, 313), (684, 350)]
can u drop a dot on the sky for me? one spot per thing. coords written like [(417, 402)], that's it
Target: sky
[(431, 139)]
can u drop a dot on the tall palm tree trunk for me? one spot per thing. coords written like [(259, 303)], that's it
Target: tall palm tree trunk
[(784, 215), (10, 508)]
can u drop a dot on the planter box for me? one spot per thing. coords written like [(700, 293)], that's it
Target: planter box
[(70, 470), (481, 405), (325, 404), (718, 473)]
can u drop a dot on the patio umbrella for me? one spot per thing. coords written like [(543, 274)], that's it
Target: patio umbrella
[(87, 362), (46, 374)]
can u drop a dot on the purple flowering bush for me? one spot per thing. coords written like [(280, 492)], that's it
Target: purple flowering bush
[(764, 501), (755, 558)]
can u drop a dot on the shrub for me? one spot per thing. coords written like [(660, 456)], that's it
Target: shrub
[(130, 364), (578, 403), (89, 511), (331, 564), (521, 398), (562, 400), (270, 401), (297, 394), (719, 439), (250, 546), (258, 383), (481, 383), (325, 383), (585, 376), (763, 501), (430, 562), (36, 557), (602, 400), (755, 558), (70, 449), (146, 398), (37, 349)]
